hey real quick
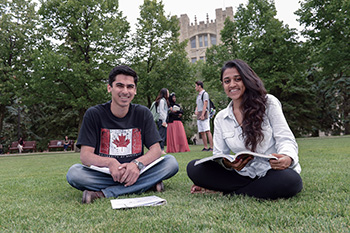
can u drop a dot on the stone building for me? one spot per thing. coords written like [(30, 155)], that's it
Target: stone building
[(203, 34)]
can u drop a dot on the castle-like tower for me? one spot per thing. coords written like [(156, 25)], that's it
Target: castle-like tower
[(202, 35)]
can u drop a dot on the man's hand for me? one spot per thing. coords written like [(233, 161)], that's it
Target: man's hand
[(88, 157), (282, 163), (130, 175), (238, 164), (116, 173)]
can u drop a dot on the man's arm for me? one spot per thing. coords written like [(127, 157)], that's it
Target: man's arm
[(88, 157), (205, 104), (162, 112), (152, 154), (132, 172)]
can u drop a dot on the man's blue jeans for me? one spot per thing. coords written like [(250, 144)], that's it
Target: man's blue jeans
[(85, 179)]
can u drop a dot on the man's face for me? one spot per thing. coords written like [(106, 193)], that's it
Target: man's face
[(197, 87), (123, 90)]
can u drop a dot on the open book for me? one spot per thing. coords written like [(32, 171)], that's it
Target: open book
[(137, 202), (176, 108), (241, 155), (106, 169)]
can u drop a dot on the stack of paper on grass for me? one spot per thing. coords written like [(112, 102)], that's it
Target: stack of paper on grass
[(137, 202)]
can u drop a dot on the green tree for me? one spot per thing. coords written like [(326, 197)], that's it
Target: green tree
[(327, 29), (18, 37), (273, 51), (159, 58), (90, 37), (216, 56)]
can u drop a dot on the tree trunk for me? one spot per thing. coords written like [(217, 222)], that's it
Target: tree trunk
[(81, 117)]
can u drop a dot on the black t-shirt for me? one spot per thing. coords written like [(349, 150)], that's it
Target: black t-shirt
[(120, 138)]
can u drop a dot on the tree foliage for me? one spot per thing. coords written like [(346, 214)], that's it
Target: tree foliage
[(159, 57), (18, 37), (54, 62), (90, 38), (327, 28)]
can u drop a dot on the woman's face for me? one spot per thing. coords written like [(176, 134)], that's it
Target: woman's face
[(174, 98), (233, 84)]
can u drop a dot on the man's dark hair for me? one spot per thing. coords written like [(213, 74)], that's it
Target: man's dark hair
[(122, 69), (200, 83)]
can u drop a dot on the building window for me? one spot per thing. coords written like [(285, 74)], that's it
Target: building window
[(213, 39), (193, 42), (205, 40), (193, 59), (201, 58)]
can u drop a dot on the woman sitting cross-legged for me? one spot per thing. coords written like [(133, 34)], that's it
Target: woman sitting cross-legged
[(252, 121)]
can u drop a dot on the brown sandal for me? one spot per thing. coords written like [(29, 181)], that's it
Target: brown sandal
[(159, 187)]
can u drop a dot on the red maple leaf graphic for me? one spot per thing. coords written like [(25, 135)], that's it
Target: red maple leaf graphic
[(121, 142)]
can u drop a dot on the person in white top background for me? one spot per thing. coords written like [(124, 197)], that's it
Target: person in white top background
[(252, 121), (202, 113), (162, 104)]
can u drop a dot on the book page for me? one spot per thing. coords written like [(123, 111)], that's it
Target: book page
[(100, 169), (255, 155), (106, 169), (151, 164), (232, 158)]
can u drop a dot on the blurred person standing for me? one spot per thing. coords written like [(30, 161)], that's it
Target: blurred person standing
[(162, 104), (202, 114), (176, 135)]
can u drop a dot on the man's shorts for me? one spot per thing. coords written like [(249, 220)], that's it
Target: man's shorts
[(203, 126)]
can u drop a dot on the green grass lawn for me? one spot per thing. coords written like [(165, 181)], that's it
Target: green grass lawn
[(35, 197)]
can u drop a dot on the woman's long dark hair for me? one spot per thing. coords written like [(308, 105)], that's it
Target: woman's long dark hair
[(253, 104), (163, 93)]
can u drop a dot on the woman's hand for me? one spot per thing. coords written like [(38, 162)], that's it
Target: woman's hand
[(238, 164), (282, 163)]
